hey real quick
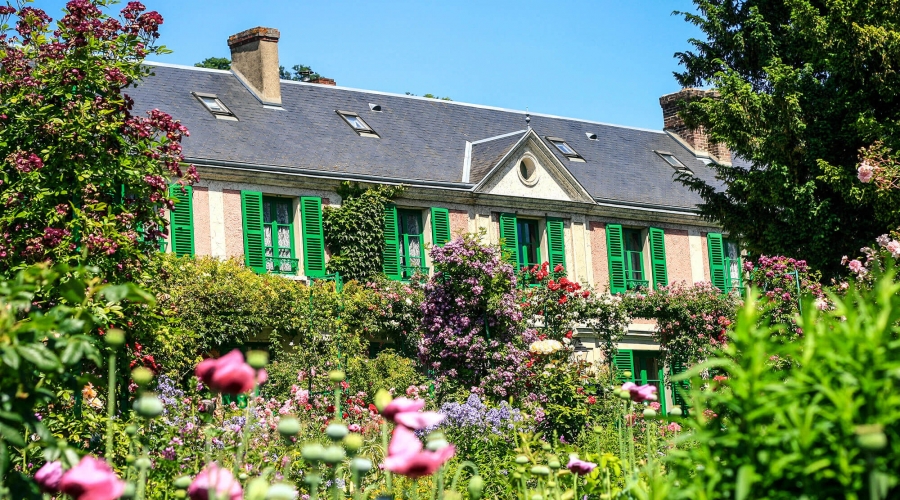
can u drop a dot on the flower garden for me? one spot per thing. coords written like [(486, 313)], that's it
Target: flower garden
[(129, 373)]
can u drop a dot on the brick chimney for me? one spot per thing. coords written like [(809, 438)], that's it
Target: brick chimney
[(696, 138), (254, 59), (323, 81)]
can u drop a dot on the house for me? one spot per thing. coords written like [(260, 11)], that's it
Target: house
[(600, 199)]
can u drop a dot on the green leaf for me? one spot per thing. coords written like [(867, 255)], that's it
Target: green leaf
[(39, 356), (10, 357), (12, 435)]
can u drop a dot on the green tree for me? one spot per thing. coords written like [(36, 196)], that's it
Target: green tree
[(801, 87), (215, 63), (82, 177), (300, 73)]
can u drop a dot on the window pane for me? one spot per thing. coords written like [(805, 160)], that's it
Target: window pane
[(212, 104), (284, 240), (267, 235), (283, 212), (267, 211), (672, 161), (415, 251), (564, 148), (357, 123)]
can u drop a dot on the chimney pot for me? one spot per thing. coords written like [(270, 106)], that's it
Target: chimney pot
[(323, 81), (254, 59), (698, 139)]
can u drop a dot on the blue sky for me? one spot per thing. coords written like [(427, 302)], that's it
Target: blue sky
[(600, 60)]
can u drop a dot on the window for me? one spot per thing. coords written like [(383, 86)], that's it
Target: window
[(565, 149), (412, 248), (529, 242), (357, 123), (215, 106), (645, 367), (278, 235), (674, 162), (634, 259), (725, 263), (733, 274), (528, 171)]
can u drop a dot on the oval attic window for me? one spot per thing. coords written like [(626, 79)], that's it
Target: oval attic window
[(527, 171)]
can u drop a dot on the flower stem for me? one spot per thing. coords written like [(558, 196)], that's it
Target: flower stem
[(111, 406), (384, 449)]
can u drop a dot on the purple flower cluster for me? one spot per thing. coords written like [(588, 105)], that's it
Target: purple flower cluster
[(472, 325), (474, 413)]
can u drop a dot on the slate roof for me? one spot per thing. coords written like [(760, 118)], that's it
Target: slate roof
[(486, 154), (421, 139)]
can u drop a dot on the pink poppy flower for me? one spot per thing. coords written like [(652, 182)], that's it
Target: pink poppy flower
[(91, 479), (417, 421), (640, 393), (580, 467), (402, 405), (407, 458), (218, 479), (228, 374), (48, 476)]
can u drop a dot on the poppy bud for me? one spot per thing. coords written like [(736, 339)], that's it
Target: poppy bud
[(333, 454), (129, 491), (142, 376), (256, 489), (336, 376), (182, 482), (115, 337), (521, 460), (336, 432), (649, 413), (675, 412), (540, 470), (382, 399), (288, 426), (476, 487), (281, 491), (361, 465), (353, 442), (257, 359), (871, 437), (554, 464), (148, 406), (312, 452)]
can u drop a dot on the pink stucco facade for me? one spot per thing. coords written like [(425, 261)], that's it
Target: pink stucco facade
[(599, 256), (234, 224), (459, 222), (202, 242), (678, 255)]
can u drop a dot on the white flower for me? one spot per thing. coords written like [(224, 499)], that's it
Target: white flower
[(408, 301)]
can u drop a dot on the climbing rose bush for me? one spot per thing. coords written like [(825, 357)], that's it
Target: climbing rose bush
[(473, 333), (784, 283), (81, 172)]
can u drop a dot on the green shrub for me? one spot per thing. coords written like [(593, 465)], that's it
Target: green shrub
[(388, 370), (827, 427)]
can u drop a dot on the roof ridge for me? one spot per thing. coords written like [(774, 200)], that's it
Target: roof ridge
[(501, 136), (429, 99)]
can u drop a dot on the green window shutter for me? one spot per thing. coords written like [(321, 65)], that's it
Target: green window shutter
[(440, 226), (391, 252), (658, 257), (181, 218), (679, 389), (313, 237), (615, 246), (509, 236), (716, 260), (556, 242), (251, 209), (623, 362)]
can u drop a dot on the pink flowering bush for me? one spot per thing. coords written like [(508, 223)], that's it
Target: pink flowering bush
[(784, 283), (692, 320), (473, 331), (81, 170)]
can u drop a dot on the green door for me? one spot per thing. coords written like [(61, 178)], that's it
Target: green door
[(648, 369)]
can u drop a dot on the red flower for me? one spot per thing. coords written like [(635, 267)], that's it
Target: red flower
[(591, 400), (563, 299), (569, 334), (558, 268)]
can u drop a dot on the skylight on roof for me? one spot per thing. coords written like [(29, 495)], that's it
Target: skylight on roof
[(215, 106), (565, 149), (357, 123), (674, 162)]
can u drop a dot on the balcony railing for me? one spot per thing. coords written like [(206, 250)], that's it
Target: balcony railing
[(637, 284), (410, 271), (282, 265)]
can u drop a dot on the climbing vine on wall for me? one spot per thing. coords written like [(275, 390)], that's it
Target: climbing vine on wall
[(354, 232)]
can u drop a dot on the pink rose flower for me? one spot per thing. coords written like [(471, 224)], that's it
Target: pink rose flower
[(580, 467), (215, 478), (407, 458), (91, 479), (48, 476), (893, 246), (865, 172), (856, 266), (228, 375), (402, 405)]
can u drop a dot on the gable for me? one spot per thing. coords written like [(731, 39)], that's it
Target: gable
[(529, 170)]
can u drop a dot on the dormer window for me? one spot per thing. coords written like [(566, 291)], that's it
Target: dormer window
[(674, 162), (215, 106), (565, 149), (357, 124)]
